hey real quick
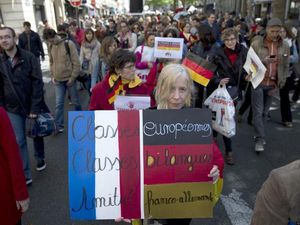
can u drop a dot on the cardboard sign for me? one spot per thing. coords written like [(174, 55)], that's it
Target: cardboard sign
[(255, 68), (140, 164), (132, 102), (170, 48)]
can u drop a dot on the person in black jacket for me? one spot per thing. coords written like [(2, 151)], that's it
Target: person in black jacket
[(31, 41), (230, 59), (20, 69), (202, 48)]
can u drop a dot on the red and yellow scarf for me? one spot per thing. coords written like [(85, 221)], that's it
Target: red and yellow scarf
[(116, 86)]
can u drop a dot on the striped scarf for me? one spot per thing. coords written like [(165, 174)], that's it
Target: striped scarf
[(116, 86)]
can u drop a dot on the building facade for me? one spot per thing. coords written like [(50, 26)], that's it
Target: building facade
[(14, 12), (285, 9)]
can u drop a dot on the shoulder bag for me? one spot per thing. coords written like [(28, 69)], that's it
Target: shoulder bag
[(41, 126)]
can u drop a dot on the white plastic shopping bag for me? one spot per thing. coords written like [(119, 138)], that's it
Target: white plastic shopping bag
[(223, 110)]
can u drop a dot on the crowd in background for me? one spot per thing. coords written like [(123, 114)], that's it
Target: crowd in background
[(101, 53)]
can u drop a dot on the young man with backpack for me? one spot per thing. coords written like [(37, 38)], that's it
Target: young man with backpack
[(64, 69)]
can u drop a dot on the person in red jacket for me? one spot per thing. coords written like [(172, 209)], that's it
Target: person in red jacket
[(14, 198), (77, 32), (121, 80), (175, 92)]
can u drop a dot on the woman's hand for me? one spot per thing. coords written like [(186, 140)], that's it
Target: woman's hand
[(224, 81), (214, 173), (120, 219), (23, 205)]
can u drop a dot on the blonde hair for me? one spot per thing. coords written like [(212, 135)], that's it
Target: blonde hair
[(166, 81)]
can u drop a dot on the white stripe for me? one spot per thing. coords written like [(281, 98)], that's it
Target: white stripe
[(237, 209), (142, 163), (107, 148)]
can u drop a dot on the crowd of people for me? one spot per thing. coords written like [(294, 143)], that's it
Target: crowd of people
[(115, 56)]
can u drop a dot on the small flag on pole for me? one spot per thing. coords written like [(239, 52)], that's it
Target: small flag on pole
[(201, 71)]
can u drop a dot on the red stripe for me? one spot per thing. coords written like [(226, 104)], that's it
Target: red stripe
[(129, 153), (161, 172), (113, 90), (198, 68)]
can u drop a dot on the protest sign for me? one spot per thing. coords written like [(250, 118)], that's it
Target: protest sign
[(140, 164), (254, 67), (132, 102), (170, 48)]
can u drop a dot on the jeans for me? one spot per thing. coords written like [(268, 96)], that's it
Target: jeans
[(297, 91), (87, 84), (60, 90), (285, 105), (18, 122), (95, 73), (227, 142), (260, 101), (247, 103)]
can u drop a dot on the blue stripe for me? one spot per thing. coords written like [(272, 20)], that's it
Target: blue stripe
[(81, 164)]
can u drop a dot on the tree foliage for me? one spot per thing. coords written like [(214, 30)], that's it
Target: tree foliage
[(159, 3), (169, 3)]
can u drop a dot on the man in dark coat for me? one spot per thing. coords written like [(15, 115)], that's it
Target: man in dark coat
[(31, 41), (21, 93)]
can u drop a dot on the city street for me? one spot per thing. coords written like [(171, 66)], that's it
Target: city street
[(49, 191)]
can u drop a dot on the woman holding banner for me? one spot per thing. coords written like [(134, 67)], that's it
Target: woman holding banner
[(121, 80), (229, 59), (175, 92)]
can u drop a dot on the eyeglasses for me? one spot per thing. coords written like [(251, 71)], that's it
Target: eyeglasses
[(229, 40), (129, 67)]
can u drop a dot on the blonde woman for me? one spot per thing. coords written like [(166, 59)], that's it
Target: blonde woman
[(174, 90)]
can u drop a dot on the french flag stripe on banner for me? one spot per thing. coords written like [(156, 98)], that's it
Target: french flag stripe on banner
[(81, 170), (129, 150), (106, 149)]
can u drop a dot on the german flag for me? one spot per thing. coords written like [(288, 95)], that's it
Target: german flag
[(166, 45), (114, 90), (201, 71)]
